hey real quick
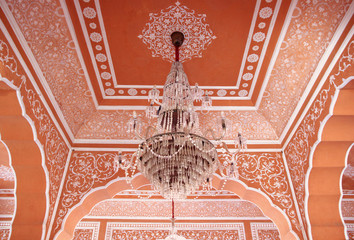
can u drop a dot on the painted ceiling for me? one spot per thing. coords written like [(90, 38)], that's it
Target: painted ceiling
[(97, 60)]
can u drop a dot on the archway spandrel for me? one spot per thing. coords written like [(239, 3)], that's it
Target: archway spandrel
[(87, 172), (29, 103), (298, 150), (265, 174)]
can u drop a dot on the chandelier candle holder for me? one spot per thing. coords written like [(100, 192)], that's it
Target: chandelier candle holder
[(175, 155)]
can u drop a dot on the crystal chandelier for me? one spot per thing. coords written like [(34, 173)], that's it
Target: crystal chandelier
[(175, 155)]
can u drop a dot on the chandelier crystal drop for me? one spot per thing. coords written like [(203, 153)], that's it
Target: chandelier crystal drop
[(175, 154)]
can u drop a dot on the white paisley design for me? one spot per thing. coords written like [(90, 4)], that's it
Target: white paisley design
[(156, 35)]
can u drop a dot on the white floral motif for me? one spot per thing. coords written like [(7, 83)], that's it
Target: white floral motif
[(258, 37), (265, 12), (243, 93), (106, 75), (132, 91), (89, 13), (221, 92), (93, 25), (110, 91), (247, 76), (252, 58), (101, 57), (261, 25), (156, 35), (96, 37)]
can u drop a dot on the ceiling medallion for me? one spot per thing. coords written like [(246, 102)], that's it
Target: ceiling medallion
[(175, 154), (177, 18)]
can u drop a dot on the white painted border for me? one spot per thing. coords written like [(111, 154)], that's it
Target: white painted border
[(255, 226), (303, 231), (265, 47), (180, 226), (95, 226), (78, 50), (110, 62), (249, 40), (276, 51), (59, 194), (316, 73)]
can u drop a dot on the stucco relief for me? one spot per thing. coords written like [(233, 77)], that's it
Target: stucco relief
[(234, 231), (183, 208), (264, 231), (55, 149), (87, 231), (45, 29), (310, 31), (298, 150), (266, 172), (113, 125), (86, 172), (263, 171)]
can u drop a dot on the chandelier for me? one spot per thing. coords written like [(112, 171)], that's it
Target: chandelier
[(175, 154)]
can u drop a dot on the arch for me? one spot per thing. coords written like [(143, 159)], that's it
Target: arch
[(327, 162), (111, 189), (26, 159)]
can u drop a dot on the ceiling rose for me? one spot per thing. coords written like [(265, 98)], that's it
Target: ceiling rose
[(156, 35)]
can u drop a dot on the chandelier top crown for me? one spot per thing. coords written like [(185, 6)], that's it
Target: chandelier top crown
[(177, 39)]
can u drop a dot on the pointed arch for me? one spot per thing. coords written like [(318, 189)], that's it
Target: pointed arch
[(327, 163), (26, 159), (116, 186)]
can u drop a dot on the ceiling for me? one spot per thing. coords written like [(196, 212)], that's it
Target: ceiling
[(97, 60)]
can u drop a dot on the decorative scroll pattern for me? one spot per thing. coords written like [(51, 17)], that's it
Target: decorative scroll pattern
[(113, 125), (87, 231), (54, 147), (47, 34), (189, 231), (264, 231), (185, 208), (86, 172), (266, 171), (298, 150), (156, 35), (308, 35), (5, 228)]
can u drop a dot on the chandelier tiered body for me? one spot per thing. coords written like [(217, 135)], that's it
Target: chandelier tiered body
[(176, 159), (175, 154)]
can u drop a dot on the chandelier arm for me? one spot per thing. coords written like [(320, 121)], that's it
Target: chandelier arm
[(130, 163), (211, 131), (148, 131), (137, 134), (157, 102)]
